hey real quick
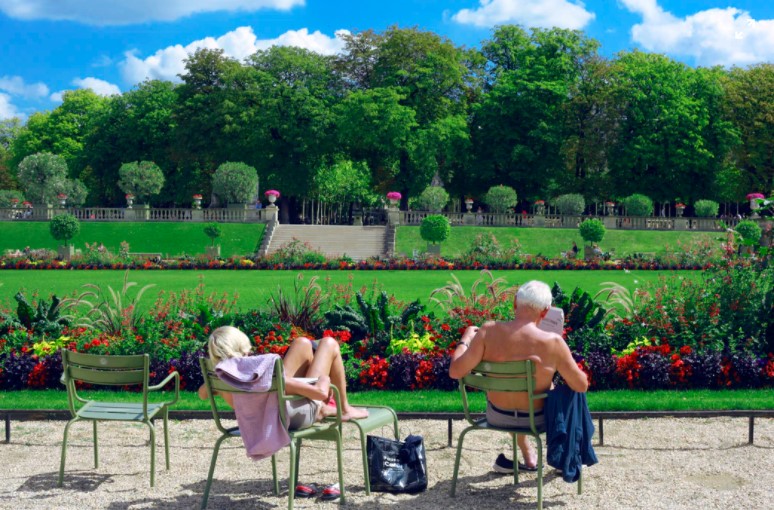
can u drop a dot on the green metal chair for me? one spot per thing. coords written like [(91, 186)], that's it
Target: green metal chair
[(328, 430), (114, 371), (378, 416), (515, 376)]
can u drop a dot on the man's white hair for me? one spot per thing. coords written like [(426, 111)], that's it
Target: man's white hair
[(534, 294), (227, 342)]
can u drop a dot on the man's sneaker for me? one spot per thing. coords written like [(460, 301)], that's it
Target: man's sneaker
[(503, 465)]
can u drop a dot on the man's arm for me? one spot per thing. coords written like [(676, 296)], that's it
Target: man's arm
[(572, 374), (469, 352)]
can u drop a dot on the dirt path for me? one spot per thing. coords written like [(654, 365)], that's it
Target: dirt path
[(648, 464)]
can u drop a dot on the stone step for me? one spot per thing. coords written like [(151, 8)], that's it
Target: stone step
[(356, 242)]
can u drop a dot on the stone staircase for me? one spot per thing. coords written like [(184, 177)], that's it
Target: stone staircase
[(357, 242)]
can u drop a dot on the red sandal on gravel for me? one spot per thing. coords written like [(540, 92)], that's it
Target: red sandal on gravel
[(331, 493), (306, 490)]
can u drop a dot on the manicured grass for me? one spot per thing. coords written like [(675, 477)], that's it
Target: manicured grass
[(447, 401), (254, 287), (168, 238), (551, 242)]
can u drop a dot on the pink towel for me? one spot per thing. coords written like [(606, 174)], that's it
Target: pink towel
[(257, 412)]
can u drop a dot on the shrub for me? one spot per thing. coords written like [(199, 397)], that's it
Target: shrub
[(235, 183), (433, 198), (43, 176), (213, 231), (435, 228), (77, 194), (500, 198), (141, 178), (749, 230), (592, 231), (638, 205), (64, 227), (571, 203), (706, 208), (6, 195)]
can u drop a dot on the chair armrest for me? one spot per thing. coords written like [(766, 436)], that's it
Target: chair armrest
[(174, 375)]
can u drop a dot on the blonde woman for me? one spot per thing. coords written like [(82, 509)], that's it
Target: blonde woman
[(320, 360)]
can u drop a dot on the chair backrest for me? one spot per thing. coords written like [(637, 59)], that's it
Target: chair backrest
[(510, 376), (104, 370), (213, 384)]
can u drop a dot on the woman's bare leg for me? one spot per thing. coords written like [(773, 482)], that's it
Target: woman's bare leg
[(298, 358), (327, 361)]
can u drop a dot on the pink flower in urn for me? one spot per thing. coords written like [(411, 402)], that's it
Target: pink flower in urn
[(130, 196), (751, 196), (540, 202), (394, 195), (272, 193), (61, 196), (197, 197)]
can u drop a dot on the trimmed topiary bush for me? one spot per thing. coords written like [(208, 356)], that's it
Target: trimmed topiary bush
[(706, 208), (64, 227), (435, 229), (235, 183), (43, 176), (638, 205), (433, 198), (500, 198), (749, 230), (141, 179), (571, 204), (592, 231), (213, 231)]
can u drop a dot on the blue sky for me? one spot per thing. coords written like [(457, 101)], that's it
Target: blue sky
[(48, 46)]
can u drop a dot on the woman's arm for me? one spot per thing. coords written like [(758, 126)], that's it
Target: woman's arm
[(320, 390)]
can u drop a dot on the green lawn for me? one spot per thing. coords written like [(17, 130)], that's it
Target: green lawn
[(168, 238), (552, 241), (449, 401), (254, 287)]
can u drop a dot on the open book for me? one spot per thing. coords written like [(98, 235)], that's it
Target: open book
[(310, 380), (553, 322)]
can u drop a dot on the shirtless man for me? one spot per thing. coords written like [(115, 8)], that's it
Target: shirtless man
[(516, 340)]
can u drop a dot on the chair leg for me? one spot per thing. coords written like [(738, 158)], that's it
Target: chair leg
[(364, 453), (212, 470), (166, 436), (540, 473), (152, 430), (274, 474), (64, 452), (96, 448), (580, 481), (292, 475), (457, 459), (340, 462)]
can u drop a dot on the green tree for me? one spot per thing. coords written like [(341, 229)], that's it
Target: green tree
[(749, 105), (43, 176), (433, 198), (64, 227), (9, 130), (141, 178), (235, 183), (501, 198)]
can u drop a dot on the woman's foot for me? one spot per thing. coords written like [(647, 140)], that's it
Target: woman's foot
[(353, 413)]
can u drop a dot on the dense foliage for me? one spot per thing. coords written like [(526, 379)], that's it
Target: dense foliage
[(235, 183), (706, 208), (213, 231), (142, 179), (539, 110), (638, 205), (570, 203), (592, 230), (433, 198), (500, 199)]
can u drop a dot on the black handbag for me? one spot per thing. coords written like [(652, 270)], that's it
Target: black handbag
[(397, 466)]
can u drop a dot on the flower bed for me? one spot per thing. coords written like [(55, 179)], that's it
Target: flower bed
[(713, 332)]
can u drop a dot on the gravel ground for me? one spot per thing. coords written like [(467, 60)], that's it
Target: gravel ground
[(653, 464)]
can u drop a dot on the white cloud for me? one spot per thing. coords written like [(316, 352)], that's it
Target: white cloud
[(531, 13), (168, 63), (727, 36), (125, 12), (7, 109), (16, 86), (100, 87)]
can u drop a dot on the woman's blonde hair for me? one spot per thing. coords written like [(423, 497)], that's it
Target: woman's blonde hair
[(227, 342)]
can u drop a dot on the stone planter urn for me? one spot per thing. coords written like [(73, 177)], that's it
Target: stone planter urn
[(197, 201), (65, 252), (469, 204), (540, 208), (129, 201), (610, 208), (62, 200), (434, 249), (272, 195), (679, 210)]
